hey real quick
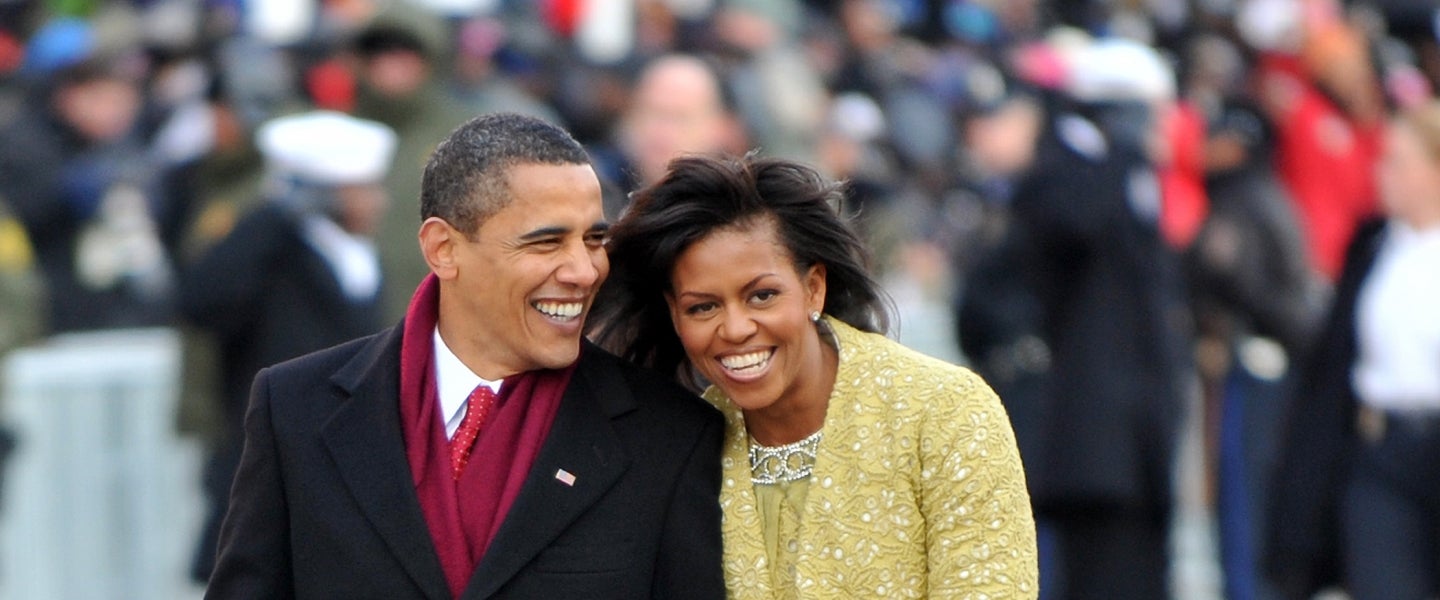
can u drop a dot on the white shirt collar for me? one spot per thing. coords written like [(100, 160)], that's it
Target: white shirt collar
[(352, 258), (1403, 236), (453, 383)]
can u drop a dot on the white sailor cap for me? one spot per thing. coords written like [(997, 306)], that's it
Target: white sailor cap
[(327, 148), (1118, 69)]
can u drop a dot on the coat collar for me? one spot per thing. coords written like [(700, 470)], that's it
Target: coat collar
[(365, 440)]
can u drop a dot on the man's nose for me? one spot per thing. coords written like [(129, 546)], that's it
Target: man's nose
[(580, 267)]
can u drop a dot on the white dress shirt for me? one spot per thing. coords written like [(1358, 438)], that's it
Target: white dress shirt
[(1398, 324), (453, 383)]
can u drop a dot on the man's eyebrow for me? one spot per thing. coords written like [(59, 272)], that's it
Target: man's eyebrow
[(544, 232), (554, 230)]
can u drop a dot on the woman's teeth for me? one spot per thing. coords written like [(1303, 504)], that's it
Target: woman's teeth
[(749, 360)]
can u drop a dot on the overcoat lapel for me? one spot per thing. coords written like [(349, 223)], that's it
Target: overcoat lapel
[(581, 442), (365, 439)]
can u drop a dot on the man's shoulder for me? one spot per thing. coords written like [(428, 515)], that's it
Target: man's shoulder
[(325, 363), (650, 389)]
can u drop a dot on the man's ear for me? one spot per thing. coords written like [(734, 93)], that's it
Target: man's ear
[(438, 244)]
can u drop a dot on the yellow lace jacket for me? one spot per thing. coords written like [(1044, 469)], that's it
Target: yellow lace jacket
[(917, 490)]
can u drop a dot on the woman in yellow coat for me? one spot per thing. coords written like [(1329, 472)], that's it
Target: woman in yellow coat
[(853, 466)]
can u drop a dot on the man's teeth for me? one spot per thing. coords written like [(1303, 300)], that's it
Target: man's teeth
[(737, 362), (560, 310)]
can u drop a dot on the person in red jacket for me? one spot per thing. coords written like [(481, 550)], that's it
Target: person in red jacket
[(1327, 107)]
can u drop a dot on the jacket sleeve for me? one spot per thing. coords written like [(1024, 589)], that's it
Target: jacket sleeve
[(220, 290), (980, 533), (254, 549), (30, 180), (689, 562)]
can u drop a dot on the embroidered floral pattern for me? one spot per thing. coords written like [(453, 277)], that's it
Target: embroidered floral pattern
[(917, 490)]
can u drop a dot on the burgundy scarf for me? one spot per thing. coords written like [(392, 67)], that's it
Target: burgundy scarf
[(464, 515)]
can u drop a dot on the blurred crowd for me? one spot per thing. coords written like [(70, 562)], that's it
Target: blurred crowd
[(1127, 207)]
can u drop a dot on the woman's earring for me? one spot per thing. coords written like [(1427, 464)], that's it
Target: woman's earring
[(815, 316)]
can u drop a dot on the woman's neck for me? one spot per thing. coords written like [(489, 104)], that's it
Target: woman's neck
[(802, 413)]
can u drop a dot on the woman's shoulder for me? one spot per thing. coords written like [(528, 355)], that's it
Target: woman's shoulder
[(872, 357)]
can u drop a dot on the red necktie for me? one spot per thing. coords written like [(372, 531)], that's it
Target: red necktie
[(477, 407)]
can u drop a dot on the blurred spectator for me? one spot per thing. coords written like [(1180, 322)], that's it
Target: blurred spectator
[(891, 68), (1254, 298), (475, 80), (223, 182), (90, 195), (297, 274), (852, 148), (1413, 22), (679, 106), (1182, 172), (21, 298), (21, 291), (1318, 85), (1355, 495), (1256, 301), (999, 138), (398, 85), (997, 314), (776, 93), (1096, 293), (221, 185)]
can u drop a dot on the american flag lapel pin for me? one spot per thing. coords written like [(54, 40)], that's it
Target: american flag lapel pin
[(565, 477)]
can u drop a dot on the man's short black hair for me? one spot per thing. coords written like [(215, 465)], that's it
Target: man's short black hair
[(466, 178)]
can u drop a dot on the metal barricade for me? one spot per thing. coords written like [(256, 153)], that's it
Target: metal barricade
[(101, 498)]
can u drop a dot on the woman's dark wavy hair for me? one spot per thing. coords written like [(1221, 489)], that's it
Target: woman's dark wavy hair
[(700, 195)]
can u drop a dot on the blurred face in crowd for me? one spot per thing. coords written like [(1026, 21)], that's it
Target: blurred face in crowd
[(868, 24), (396, 73), (359, 207), (676, 109), (1341, 63), (1224, 150), (525, 280), (102, 110), (1409, 176), (1002, 141), (742, 312)]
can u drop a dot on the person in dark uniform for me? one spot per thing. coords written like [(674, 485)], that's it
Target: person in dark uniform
[(1090, 319), (297, 274)]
